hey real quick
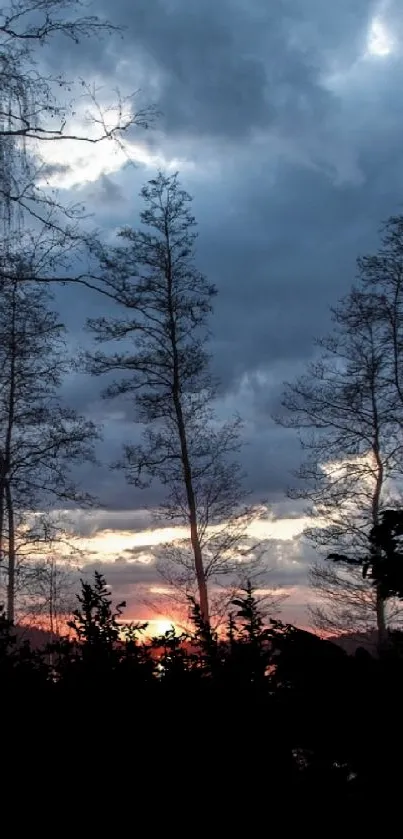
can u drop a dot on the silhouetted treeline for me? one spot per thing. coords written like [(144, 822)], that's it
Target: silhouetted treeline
[(268, 700)]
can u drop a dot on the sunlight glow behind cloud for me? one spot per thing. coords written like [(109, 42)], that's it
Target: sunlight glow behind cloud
[(380, 42), (74, 163), (87, 163), (107, 545)]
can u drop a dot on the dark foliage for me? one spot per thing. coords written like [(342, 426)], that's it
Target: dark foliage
[(384, 563), (319, 722)]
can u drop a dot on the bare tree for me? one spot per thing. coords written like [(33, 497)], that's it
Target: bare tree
[(162, 331), (349, 418), (381, 276), (32, 110), (47, 593), (231, 556), (47, 565), (346, 603), (40, 438)]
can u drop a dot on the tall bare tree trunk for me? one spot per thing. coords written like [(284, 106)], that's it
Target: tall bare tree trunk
[(11, 558), (168, 378), (187, 470), (380, 601), (52, 609), (7, 454), (3, 565), (187, 475), (381, 622), (194, 536), (1, 520)]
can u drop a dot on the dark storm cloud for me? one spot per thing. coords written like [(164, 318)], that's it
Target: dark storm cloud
[(89, 523), (224, 68), (295, 142), (120, 574), (107, 191)]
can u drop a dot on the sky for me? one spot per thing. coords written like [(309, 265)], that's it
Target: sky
[(285, 122)]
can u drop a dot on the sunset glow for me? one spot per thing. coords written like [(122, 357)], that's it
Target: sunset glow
[(161, 626), (106, 545)]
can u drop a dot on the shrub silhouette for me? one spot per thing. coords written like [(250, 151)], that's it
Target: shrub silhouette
[(324, 722)]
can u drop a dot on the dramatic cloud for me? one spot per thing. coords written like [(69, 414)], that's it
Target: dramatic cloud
[(285, 120)]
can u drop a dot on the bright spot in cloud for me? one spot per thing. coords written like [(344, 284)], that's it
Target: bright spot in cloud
[(380, 42), (281, 529), (72, 162), (87, 162)]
